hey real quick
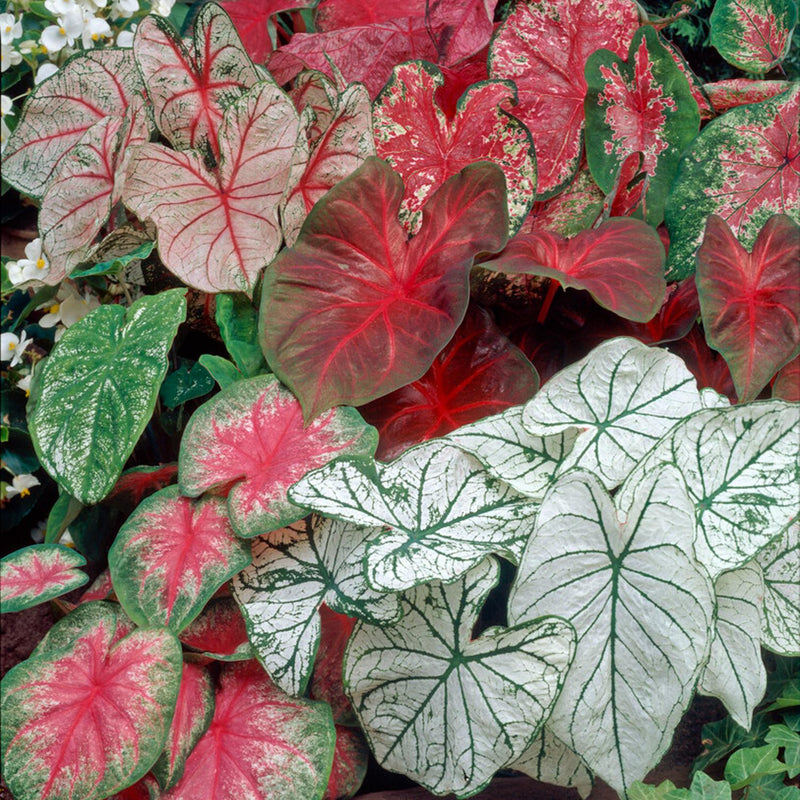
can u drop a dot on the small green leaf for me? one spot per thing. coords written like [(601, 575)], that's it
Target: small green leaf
[(221, 370), (189, 381), (64, 511), (706, 788), (746, 765), (664, 791), (237, 319), (114, 265), (725, 736)]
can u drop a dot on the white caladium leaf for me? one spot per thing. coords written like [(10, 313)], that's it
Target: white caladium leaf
[(419, 687), (293, 572), (443, 512), (642, 608), (622, 397), (735, 672), (780, 562)]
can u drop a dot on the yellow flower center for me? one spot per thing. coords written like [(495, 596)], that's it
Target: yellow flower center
[(24, 492), (40, 263), (44, 50), (8, 29), (12, 345), (95, 37), (54, 308)]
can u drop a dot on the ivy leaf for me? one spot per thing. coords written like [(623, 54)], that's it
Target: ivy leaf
[(748, 764), (789, 740), (780, 562), (84, 432), (418, 686), (219, 632)]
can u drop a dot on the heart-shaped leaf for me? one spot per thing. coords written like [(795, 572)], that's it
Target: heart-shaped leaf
[(83, 433), (350, 760), (734, 92), (317, 92), (459, 29), (33, 575), (786, 385), (419, 686), (707, 365), (645, 616), (89, 717), (219, 633), (343, 310), (676, 317)]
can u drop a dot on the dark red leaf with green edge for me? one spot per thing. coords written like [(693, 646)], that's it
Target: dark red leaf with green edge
[(458, 79), (350, 760), (425, 148), (735, 92), (333, 15), (574, 209), (542, 47), (678, 313), (219, 632), (262, 744), (707, 366), (459, 29), (139, 482), (326, 680), (144, 789), (480, 372), (750, 302), (355, 310), (786, 384), (89, 715)]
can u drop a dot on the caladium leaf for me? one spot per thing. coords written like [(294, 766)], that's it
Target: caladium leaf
[(217, 230), (786, 385), (101, 588), (326, 680), (336, 14), (676, 317), (343, 309), (543, 46), (350, 759), (743, 167), (171, 555), (753, 35), (83, 434), (644, 105), (90, 86), (251, 434), (91, 716), (645, 618), (571, 211), (419, 686), (444, 513), (237, 320), (36, 574), (261, 744), (219, 633), (459, 29), (292, 573), (707, 365), (315, 91), (750, 301), (425, 147), (734, 92), (622, 397)]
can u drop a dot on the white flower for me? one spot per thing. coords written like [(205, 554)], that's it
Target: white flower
[(60, 8), (6, 110), (21, 485), (37, 533), (125, 38), (10, 28), (69, 308), (94, 30), (9, 57), (124, 8), (63, 34), (27, 47), (12, 347), (162, 7), (31, 268), (25, 384), (45, 71)]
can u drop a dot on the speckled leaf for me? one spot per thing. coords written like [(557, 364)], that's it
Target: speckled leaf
[(444, 513), (644, 105), (622, 397), (571, 211), (171, 555), (744, 167), (753, 35), (549, 760), (734, 92), (316, 91), (91, 716), (350, 760), (426, 147), (35, 574), (261, 744), (84, 431), (645, 618), (418, 687), (252, 435), (336, 14), (219, 632)]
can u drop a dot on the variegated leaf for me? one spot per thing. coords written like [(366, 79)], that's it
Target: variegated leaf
[(350, 761), (219, 632)]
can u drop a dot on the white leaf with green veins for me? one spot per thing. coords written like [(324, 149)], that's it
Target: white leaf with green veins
[(622, 398), (446, 710), (780, 562), (443, 512), (642, 608)]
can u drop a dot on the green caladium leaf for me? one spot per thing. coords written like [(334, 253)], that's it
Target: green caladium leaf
[(293, 572), (644, 616), (237, 319), (85, 429), (418, 687), (780, 562), (443, 512), (622, 398)]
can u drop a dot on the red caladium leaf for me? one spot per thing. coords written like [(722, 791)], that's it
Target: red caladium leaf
[(39, 573), (316, 91), (89, 716), (189, 90), (460, 29), (101, 588), (621, 264), (570, 211), (326, 680), (333, 15), (695, 84), (350, 760), (139, 482), (543, 46), (217, 230), (252, 435), (414, 136), (786, 385), (354, 310), (751, 301), (458, 79), (675, 318), (261, 745), (219, 633), (170, 557), (707, 366), (725, 95), (480, 372)]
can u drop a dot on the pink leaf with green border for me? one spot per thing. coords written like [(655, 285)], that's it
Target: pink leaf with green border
[(460, 29), (252, 435), (751, 301), (316, 91), (675, 318), (101, 588), (170, 557), (426, 148), (261, 744), (728, 94), (458, 79), (219, 632), (786, 385), (350, 760), (37, 574), (355, 310), (90, 717)]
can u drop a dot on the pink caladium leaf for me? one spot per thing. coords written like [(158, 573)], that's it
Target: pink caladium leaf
[(350, 760), (786, 385), (218, 229), (459, 29), (735, 92), (89, 716), (355, 310), (139, 482), (101, 588), (644, 105), (543, 46), (219, 633), (37, 574), (425, 147), (333, 15), (170, 557), (251, 435), (326, 680), (750, 302), (458, 79), (744, 166), (191, 87), (262, 744), (480, 372), (316, 91)]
